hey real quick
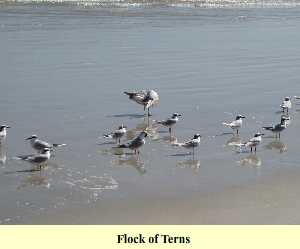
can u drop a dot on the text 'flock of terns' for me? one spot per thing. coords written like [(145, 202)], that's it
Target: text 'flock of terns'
[(148, 99)]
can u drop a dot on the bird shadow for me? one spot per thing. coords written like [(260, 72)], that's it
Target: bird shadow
[(225, 134), (181, 154), (127, 115), (106, 143), (21, 171)]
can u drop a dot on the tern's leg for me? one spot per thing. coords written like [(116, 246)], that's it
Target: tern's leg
[(251, 149), (279, 135), (255, 149), (149, 114), (237, 131)]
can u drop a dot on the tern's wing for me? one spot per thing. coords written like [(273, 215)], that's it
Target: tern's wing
[(135, 143), (39, 145), (37, 159), (189, 144), (167, 122), (24, 157), (235, 123)]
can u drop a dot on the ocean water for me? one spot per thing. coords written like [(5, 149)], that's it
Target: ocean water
[(64, 68)]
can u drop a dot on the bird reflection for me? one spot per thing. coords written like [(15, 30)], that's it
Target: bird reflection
[(170, 139), (130, 161), (251, 160), (190, 164), (233, 141), (277, 145), (34, 179), (2, 152), (145, 126)]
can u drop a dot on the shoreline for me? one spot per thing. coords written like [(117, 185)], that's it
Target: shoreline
[(269, 201)]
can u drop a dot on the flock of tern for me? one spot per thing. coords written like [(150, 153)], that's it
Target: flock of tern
[(148, 99)]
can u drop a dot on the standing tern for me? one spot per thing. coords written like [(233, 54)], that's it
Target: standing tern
[(286, 104), (136, 143), (39, 145), (170, 121), (117, 134), (253, 142), (38, 159), (147, 98), (278, 128), (190, 144), (235, 124), (3, 131)]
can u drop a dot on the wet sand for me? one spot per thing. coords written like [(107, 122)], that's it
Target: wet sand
[(273, 200), (64, 69)]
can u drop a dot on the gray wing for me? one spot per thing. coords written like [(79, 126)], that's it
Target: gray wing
[(37, 159), (168, 122), (278, 127), (190, 144), (136, 143), (39, 145)]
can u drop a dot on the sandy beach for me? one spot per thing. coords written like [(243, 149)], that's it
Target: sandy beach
[(269, 201), (64, 69)]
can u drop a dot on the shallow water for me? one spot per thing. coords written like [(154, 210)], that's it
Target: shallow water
[(64, 69)]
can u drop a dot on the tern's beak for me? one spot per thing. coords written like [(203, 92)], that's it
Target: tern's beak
[(28, 138), (8, 127)]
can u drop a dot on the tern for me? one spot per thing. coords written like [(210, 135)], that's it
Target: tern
[(3, 131), (286, 104), (278, 128), (136, 143), (235, 124), (39, 145), (190, 144), (117, 134), (38, 159), (253, 142), (147, 98), (170, 121)]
